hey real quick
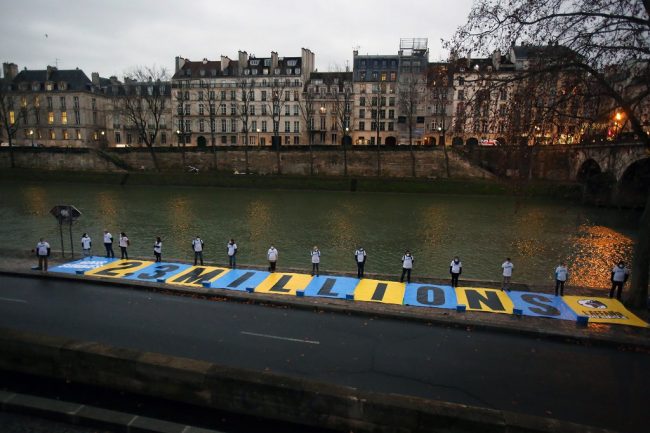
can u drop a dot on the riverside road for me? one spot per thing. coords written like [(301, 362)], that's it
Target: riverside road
[(598, 386)]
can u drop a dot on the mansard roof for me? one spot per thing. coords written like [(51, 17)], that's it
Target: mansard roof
[(74, 79)]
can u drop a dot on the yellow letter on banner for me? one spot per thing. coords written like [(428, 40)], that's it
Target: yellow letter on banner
[(283, 284), (386, 292), (195, 275), (480, 299)]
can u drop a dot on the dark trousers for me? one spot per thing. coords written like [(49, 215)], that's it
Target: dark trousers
[(406, 272), (360, 266), (198, 255), (271, 266), (314, 269), (158, 258), (109, 250), (454, 279), (616, 285), (42, 262), (125, 255), (232, 261), (559, 287)]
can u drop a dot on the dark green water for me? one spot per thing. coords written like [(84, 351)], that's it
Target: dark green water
[(482, 230)]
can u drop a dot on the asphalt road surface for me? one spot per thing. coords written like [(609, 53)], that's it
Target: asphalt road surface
[(597, 386)]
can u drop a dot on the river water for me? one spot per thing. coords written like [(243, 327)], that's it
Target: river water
[(482, 230)]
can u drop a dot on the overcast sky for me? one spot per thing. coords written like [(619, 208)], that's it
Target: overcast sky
[(113, 36)]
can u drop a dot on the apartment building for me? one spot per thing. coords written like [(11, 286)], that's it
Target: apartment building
[(248, 101), (52, 107), (327, 107)]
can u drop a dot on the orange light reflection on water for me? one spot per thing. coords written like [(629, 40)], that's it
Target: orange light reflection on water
[(595, 251), (35, 200)]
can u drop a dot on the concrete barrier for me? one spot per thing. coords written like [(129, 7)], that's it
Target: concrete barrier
[(254, 393)]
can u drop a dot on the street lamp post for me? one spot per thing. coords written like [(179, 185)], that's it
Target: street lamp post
[(31, 134), (258, 138)]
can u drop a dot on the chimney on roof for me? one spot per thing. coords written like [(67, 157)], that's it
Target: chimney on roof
[(496, 59), (50, 71), (469, 59), (179, 63), (355, 53), (9, 70), (243, 58), (225, 61), (95, 78), (274, 61)]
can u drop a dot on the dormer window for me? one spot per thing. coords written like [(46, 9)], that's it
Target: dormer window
[(36, 87), (277, 71), (288, 71), (202, 72), (49, 86), (297, 71), (254, 62), (292, 62), (247, 71), (62, 85)]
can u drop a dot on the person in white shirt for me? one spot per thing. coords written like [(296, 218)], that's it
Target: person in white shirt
[(620, 274), (108, 244), (197, 246), (232, 253), (407, 266), (124, 243), (42, 252), (157, 249), (315, 260), (360, 257), (86, 244), (272, 256), (455, 269), (561, 276), (507, 273)]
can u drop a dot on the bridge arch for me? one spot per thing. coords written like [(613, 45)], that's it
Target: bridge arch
[(634, 185), (588, 169)]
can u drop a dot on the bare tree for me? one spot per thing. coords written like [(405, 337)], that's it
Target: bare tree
[(409, 101), (342, 107), (212, 118), (278, 99), (246, 89), (608, 41), (143, 103), (307, 110), (8, 116), (440, 82)]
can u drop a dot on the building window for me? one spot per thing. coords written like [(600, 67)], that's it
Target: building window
[(362, 126), (201, 125), (77, 117), (296, 126), (64, 133), (188, 126), (461, 81), (263, 95), (223, 125), (233, 139), (64, 118), (384, 76), (287, 110), (200, 96), (187, 109), (222, 108), (94, 117), (287, 126), (461, 95), (233, 109), (391, 126), (224, 139), (62, 102), (50, 117), (52, 135), (233, 125), (264, 126), (118, 137), (49, 102), (93, 103), (129, 138), (263, 110), (296, 140), (287, 139)]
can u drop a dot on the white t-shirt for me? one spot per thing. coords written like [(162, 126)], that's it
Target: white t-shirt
[(272, 254), (407, 261), (157, 247), (198, 245), (360, 255), (124, 241), (507, 269), (232, 249), (620, 273), (108, 238), (561, 273), (315, 256), (85, 242), (41, 248), (455, 267)]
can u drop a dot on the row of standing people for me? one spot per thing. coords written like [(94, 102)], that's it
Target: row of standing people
[(619, 274)]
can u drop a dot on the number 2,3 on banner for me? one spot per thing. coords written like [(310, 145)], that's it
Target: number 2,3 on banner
[(119, 269)]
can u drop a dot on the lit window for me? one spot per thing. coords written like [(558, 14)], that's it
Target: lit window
[(64, 118), (50, 117), (12, 117), (65, 134)]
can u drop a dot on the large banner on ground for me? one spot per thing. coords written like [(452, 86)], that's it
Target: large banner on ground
[(484, 299)]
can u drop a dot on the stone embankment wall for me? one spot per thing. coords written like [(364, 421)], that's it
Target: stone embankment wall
[(429, 162)]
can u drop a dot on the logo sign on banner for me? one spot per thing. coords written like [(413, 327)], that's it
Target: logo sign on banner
[(542, 305), (480, 299), (603, 310), (331, 287), (386, 292), (83, 265), (158, 271), (429, 295), (120, 268), (284, 284), (195, 275), (239, 279)]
